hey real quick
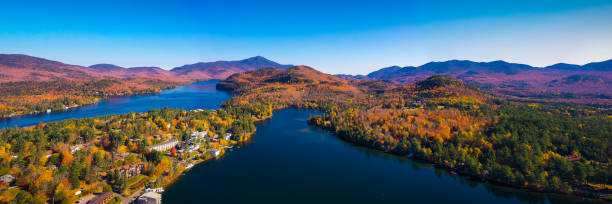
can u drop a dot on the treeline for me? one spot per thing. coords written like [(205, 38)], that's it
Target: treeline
[(523, 146), (20, 98)]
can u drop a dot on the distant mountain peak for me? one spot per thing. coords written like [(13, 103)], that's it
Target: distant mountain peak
[(256, 58), (105, 66), (223, 69)]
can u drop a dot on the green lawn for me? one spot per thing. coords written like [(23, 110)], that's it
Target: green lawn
[(135, 179)]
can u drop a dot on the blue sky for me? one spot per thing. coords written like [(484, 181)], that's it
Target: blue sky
[(354, 37)]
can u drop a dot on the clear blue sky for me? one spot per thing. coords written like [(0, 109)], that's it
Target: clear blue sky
[(354, 37)]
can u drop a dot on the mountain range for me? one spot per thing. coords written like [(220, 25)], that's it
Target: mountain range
[(587, 82), (508, 78), (16, 67)]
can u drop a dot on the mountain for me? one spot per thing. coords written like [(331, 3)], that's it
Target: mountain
[(352, 77), (223, 69), (294, 75), (106, 67), (599, 66), (133, 72), (511, 78), (17, 67)]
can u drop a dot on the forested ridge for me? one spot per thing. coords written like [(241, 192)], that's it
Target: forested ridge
[(30, 97)]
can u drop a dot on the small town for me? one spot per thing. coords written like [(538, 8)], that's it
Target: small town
[(139, 164)]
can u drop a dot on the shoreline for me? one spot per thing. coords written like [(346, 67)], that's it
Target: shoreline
[(481, 180), (448, 169), (69, 108), (95, 99), (200, 161)]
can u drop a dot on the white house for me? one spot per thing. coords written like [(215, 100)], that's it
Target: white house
[(155, 190), (198, 134), (7, 178), (164, 145)]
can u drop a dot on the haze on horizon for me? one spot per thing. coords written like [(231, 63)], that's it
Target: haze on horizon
[(334, 37)]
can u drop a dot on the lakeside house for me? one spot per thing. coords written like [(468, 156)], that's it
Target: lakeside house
[(130, 170), (192, 147), (149, 198), (155, 190), (189, 166), (227, 136), (164, 145), (215, 152), (101, 198)]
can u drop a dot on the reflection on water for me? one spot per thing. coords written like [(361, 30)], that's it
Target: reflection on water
[(193, 96)]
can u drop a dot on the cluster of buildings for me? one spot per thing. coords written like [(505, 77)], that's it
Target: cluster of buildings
[(193, 144)]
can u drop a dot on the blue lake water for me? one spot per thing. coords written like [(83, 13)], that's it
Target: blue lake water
[(193, 96), (288, 161)]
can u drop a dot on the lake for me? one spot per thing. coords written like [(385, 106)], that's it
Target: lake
[(193, 96), (288, 161)]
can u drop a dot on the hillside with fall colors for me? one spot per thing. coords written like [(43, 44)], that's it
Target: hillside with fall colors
[(22, 98), (585, 84), (31, 85), (441, 120), (17, 67)]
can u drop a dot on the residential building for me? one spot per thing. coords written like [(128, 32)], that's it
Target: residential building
[(164, 145), (198, 135), (131, 170), (101, 198), (155, 190)]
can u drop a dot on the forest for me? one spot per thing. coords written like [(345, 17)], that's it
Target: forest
[(544, 147)]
